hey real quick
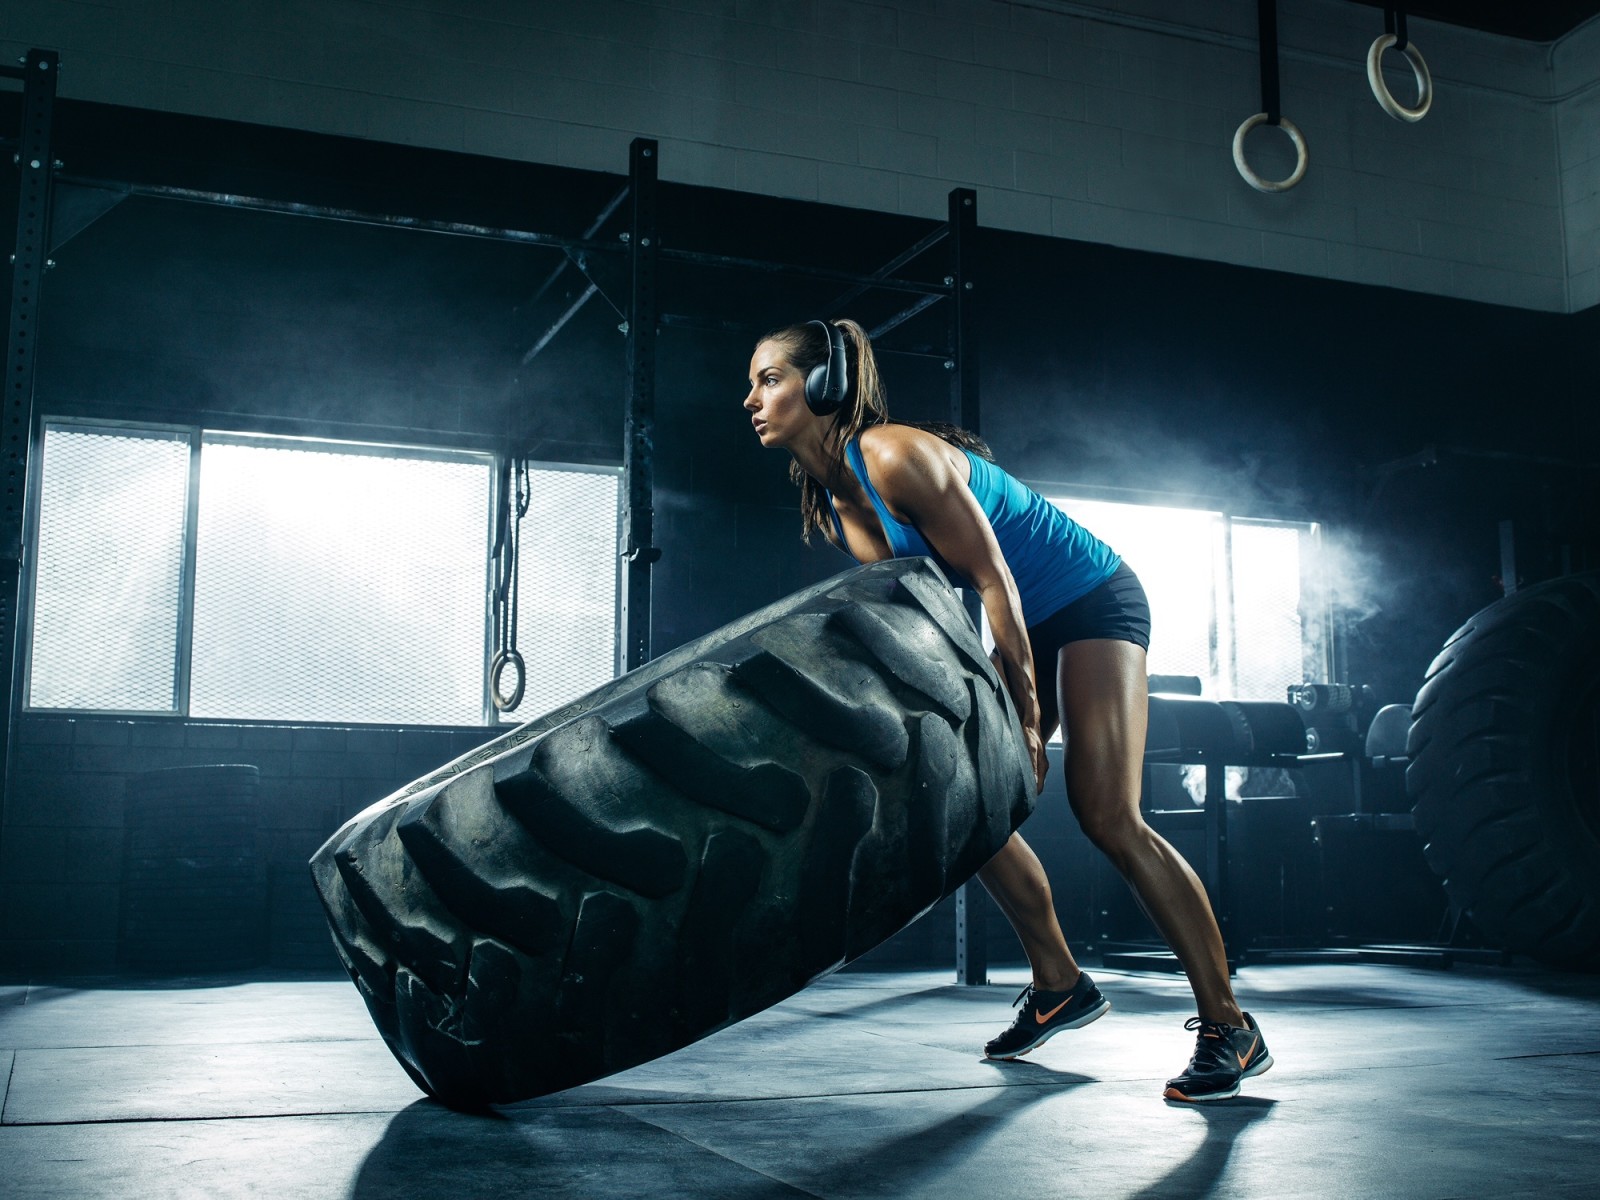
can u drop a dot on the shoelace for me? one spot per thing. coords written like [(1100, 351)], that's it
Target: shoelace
[(1023, 1015), (1030, 989), (1209, 1045)]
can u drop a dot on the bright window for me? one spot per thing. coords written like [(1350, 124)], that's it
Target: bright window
[(333, 585), (1233, 601), (225, 576)]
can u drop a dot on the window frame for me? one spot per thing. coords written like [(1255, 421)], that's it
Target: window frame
[(183, 656)]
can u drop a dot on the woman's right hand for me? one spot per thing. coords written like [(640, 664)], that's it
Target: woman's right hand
[(1036, 753)]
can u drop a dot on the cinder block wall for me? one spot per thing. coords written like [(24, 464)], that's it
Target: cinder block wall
[(61, 878), (1097, 121)]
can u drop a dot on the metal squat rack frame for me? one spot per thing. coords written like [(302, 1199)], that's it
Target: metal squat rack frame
[(30, 257), (625, 269)]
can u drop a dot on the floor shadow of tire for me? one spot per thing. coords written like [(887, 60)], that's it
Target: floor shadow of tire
[(1199, 1174), (599, 1153)]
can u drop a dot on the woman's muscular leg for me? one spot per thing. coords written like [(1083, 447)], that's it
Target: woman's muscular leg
[(1016, 880), (1020, 887), (1102, 689)]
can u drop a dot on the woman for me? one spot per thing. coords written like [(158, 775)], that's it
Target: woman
[(1064, 611)]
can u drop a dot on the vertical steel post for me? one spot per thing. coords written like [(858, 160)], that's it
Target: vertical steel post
[(639, 552), (30, 258), (972, 939), (972, 942), (964, 406), (1218, 884)]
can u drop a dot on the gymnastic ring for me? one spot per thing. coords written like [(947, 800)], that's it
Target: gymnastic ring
[(1380, 89), (1302, 157), (497, 666)]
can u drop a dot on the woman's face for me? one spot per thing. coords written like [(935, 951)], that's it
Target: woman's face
[(777, 399)]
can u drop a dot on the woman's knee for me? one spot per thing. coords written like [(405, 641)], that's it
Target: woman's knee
[(1115, 832)]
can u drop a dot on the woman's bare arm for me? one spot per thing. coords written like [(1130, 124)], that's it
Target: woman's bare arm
[(921, 479)]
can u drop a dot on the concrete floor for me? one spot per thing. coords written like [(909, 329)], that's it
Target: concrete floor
[(1390, 1082)]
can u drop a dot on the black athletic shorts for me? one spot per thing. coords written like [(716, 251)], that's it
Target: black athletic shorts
[(1117, 609)]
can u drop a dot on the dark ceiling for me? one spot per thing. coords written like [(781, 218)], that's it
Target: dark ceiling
[(1531, 20)]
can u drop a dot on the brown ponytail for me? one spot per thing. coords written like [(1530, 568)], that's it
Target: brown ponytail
[(865, 405)]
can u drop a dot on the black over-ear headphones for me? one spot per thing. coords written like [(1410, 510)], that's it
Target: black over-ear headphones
[(829, 383)]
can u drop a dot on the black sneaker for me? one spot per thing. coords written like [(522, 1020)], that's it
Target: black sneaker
[(1223, 1056), (1045, 1014)]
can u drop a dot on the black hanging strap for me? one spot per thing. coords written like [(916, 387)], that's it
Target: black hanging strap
[(506, 581), (1267, 14), (1394, 21)]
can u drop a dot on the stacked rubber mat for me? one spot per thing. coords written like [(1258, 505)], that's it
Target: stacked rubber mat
[(297, 933), (192, 885)]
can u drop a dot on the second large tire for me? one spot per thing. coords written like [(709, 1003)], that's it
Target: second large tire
[(683, 847), (1505, 770)]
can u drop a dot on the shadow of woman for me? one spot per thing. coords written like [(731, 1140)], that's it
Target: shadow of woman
[(1199, 1174), (902, 1159)]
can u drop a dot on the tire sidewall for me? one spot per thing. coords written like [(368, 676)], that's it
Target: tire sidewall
[(1551, 758), (1547, 703)]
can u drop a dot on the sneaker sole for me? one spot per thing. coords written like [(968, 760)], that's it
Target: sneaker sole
[(1259, 1067), (1094, 1014)]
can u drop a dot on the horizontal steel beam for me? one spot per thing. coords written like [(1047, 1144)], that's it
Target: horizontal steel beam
[(348, 215), (498, 233)]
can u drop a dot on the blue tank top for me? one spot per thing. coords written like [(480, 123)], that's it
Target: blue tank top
[(1053, 559)]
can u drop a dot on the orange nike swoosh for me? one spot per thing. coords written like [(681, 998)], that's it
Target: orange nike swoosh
[(1244, 1059), (1043, 1017)]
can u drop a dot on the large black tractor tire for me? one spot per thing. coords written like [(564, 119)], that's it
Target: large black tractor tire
[(683, 847), (1505, 770)]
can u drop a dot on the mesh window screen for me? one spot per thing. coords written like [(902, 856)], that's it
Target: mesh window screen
[(110, 568), (339, 586), (568, 609), (1268, 638)]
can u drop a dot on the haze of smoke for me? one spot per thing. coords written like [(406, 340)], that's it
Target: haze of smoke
[(1134, 448)]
